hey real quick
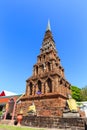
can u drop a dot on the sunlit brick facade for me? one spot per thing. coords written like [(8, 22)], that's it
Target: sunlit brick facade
[(47, 87)]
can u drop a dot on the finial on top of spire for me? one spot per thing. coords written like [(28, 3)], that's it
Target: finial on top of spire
[(48, 26)]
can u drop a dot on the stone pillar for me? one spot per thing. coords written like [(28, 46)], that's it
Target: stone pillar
[(56, 84), (65, 90), (68, 90), (53, 89), (33, 90), (53, 63), (45, 70), (35, 70), (47, 67), (42, 88), (51, 66), (36, 89), (44, 67), (28, 90), (46, 88), (39, 70)]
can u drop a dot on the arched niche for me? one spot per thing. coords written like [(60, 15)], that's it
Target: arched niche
[(49, 67), (49, 85), (61, 82), (39, 86), (36, 69)]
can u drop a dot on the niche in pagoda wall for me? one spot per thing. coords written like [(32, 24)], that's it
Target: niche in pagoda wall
[(60, 82), (44, 57), (49, 66), (49, 85), (58, 60), (39, 86)]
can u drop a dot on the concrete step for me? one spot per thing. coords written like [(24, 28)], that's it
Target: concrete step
[(7, 122)]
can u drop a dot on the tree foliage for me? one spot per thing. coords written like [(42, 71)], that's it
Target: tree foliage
[(76, 93), (79, 94), (84, 94)]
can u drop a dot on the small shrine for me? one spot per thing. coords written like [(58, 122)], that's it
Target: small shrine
[(47, 88)]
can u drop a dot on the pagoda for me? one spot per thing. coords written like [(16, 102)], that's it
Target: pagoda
[(47, 88)]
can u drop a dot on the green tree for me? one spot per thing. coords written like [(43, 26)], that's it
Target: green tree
[(76, 93), (84, 94)]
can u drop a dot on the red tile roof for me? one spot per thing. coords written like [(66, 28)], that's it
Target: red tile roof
[(5, 99)]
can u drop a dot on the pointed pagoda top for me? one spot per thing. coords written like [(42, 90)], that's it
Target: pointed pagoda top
[(48, 26), (48, 41)]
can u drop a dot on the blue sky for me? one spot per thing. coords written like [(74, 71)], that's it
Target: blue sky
[(22, 27)]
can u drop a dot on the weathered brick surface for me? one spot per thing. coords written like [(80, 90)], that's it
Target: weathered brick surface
[(54, 122), (44, 107), (48, 79)]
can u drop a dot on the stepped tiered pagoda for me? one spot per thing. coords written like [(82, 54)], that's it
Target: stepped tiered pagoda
[(47, 88)]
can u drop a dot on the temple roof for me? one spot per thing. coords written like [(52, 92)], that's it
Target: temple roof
[(7, 93), (5, 99)]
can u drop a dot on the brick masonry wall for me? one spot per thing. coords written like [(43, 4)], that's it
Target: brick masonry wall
[(54, 122), (44, 107)]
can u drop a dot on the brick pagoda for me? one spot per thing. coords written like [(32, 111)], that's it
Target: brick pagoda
[(47, 88)]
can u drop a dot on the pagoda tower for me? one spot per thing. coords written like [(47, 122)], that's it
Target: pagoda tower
[(47, 88)]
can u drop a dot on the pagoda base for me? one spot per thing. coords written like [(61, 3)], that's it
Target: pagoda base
[(46, 105), (54, 122)]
